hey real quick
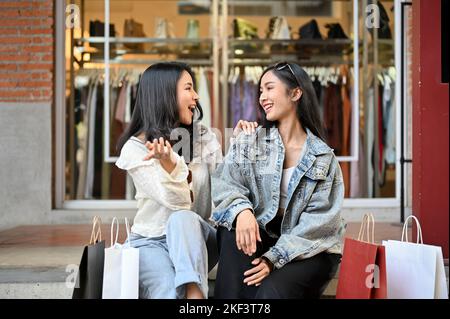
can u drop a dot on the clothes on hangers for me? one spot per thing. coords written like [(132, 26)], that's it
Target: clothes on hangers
[(384, 128), (358, 171), (95, 178), (243, 88), (370, 137), (389, 117), (204, 97)]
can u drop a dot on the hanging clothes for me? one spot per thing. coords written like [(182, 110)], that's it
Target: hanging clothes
[(389, 118), (216, 114), (358, 171), (90, 170), (235, 102), (82, 135), (333, 117), (381, 165), (370, 138), (117, 177), (204, 97), (249, 101), (243, 87), (346, 126)]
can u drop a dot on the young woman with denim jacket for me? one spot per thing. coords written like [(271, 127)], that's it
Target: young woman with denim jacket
[(177, 246), (278, 196)]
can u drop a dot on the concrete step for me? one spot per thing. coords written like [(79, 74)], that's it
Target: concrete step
[(36, 261), (53, 283), (37, 272), (43, 283)]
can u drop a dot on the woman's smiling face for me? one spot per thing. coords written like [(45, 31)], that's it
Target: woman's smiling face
[(275, 98), (187, 98)]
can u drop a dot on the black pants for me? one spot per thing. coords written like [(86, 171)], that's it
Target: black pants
[(306, 278)]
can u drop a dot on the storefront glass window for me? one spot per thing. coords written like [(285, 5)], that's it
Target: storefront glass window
[(318, 35)]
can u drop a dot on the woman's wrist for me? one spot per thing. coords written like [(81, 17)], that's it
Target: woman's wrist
[(268, 262), (169, 164)]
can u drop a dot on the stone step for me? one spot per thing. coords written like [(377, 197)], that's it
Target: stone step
[(34, 259), (52, 283)]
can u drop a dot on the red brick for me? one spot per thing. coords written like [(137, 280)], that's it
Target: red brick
[(8, 49), (27, 57), (9, 31), (42, 22), (47, 93), (16, 76), (20, 22), (36, 93), (38, 48), (35, 66), (15, 40), (26, 50), (25, 95), (36, 13), (36, 31), (15, 57), (43, 40), (8, 67), (36, 84), (14, 4), (40, 76), (26, 4), (42, 4), (15, 93), (10, 13)]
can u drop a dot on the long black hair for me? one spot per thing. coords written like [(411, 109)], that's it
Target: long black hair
[(156, 109), (307, 106)]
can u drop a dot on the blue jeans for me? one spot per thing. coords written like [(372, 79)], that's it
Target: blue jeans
[(184, 255)]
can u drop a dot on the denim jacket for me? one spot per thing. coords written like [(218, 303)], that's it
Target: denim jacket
[(250, 177)]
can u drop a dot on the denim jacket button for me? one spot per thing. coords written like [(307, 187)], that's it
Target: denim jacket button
[(281, 261), (225, 224)]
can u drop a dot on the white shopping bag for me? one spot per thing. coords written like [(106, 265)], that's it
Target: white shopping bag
[(121, 270), (414, 270)]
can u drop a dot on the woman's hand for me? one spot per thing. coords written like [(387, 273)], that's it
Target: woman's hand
[(247, 232), (161, 150), (247, 127), (261, 270)]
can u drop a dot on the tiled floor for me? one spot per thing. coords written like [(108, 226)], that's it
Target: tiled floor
[(54, 235), (79, 235)]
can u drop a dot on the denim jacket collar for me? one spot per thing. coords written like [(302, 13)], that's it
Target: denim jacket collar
[(314, 144)]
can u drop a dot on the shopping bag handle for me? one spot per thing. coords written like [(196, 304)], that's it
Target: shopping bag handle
[(96, 233), (114, 221), (367, 221), (127, 226), (419, 230)]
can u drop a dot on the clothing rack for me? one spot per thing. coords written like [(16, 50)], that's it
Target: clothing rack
[(146, 62)]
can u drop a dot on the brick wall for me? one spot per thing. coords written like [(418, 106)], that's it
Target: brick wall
[(26, 50)]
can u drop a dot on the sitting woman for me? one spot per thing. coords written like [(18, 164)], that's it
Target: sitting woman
[(170, 157), (278, 196)]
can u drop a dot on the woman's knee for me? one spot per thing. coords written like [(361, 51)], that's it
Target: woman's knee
[(183, 219), (159, 289), (269, 289), (225, 237)]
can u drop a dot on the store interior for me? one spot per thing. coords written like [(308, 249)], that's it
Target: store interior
[(248, 36)]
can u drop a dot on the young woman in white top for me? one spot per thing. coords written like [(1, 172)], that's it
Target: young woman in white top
[(170, 157)]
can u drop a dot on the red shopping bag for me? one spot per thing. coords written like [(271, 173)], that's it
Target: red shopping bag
[(362, 274)]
